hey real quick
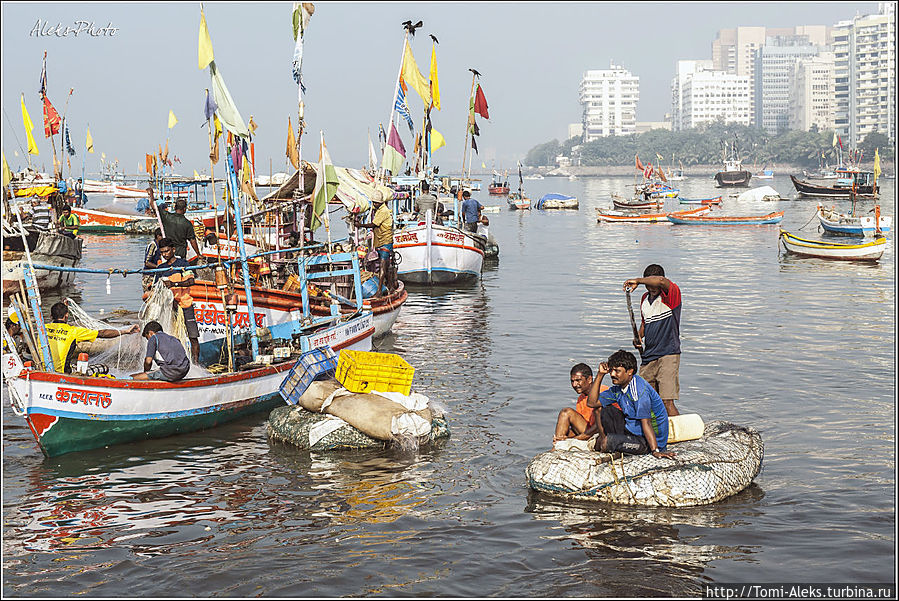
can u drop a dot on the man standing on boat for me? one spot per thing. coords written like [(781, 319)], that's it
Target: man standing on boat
[(172, 361), (471, 211), (382, 241), (426, 201), (660, 308), (176, 226), (180, 281), (63, 337), (152, 258)]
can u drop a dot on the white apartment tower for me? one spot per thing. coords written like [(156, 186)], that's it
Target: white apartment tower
[(865, 75), (710, 96), (685, 70), (775, 66), (812, 96), (609, 101)]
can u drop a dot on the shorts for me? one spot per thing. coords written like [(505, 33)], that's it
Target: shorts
[(190, 322), (662, 375), (159, 375), (626, 443), (385, 252)]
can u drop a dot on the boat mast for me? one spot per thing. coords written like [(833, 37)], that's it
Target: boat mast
[(468, 125), (383, 170)]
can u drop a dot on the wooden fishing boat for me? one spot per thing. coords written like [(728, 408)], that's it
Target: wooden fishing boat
[(849, 182), (557, 201), (713, 200), (635, 203), (52, 249), (517, 203), (733, 174), (856, 225), (106, 222), (765, 174), (863, 251), (437, 254), (727, 219), (97, 187), (657, 190), (131, 192), (605, 216)]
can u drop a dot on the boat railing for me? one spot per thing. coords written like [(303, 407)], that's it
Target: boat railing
[(330, 260)]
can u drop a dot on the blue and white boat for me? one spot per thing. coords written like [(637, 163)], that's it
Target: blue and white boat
[(856, 225)]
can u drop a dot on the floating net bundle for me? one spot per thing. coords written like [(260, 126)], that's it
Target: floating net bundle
[(124, 355), (721, 463)]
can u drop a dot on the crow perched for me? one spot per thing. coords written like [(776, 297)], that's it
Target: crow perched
[(475, 72), (433, 38), (410, 27)]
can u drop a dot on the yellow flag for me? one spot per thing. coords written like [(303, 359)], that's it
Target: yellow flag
[(834, 143), (483, 165), (196, 175), (32, 145), (103, 156), (877, 170), (205, 48), (435, 85), (252, 125), (90, 141), (292, 153), (436, 140), (172, 119), (7, 176), (413, 77)]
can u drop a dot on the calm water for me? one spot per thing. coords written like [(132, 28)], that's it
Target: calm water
[(802, 349)]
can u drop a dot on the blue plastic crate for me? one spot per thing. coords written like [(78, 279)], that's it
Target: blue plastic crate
[(317, 364)]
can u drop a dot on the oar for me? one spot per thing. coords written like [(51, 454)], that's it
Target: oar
[(630, 309)]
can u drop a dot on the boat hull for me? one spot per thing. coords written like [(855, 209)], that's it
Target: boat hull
[(438, 255), (625, 217), (732, 179), (700, 201), (104, 222), (68, 413), (809, 189), (869, 251), (768, 219), (838, 223), (51, 249)]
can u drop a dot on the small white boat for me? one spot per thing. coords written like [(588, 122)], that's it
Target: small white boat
[(762, 193), (859, 225), (437, 254), (863, 251)]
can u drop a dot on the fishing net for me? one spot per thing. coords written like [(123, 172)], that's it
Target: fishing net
[(124, 355), (323, 432), (721, 463)]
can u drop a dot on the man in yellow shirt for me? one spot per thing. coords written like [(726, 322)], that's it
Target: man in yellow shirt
[(63, 337), (382, 226)]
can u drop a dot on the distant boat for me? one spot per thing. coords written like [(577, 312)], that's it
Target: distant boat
[(862, 184), (765, 174), (557, 201), (499, 186), (859, 225), (538, 176), (517, 203), (733, 174), (620, 202), (714, 200), (605, 216), (864, 251), (727, 219)]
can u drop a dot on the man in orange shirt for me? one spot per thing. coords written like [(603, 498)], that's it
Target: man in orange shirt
[(580, 422)]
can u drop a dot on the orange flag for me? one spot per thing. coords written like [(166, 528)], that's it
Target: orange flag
[(661, 174), (639, 165)]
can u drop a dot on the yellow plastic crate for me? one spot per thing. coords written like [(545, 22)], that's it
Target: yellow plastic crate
[(362, 371)]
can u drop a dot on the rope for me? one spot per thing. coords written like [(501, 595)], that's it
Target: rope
[(809, 221)]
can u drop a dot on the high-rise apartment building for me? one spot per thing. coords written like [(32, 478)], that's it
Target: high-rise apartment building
[(685, 70), (609, 101), (865, 75), (812, 102), (775, 66), (710, 96)]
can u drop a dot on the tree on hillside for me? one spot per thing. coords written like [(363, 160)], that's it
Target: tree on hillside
[(543, 154)]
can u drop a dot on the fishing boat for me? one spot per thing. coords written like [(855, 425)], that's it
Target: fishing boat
[(52, 249), (605, 216), (857, 225), (499, 186), (620, 202), (862, 251), (97, 187), (438, 254), (519, 201), (727, 219), (733, 174), (676, 175), (712, 200), (657, 190), (132, 192), (862, 184), (96, 221), (557, 201)]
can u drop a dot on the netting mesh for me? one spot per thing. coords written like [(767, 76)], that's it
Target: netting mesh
[(124, 355), (721, 463), (322, 432)]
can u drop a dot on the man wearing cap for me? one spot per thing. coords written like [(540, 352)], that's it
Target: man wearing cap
[(14, 329), (382, 240), (176, 226), (63, 337)]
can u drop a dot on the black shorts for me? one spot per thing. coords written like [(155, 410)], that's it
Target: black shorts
[(626, 443), (190, 322)]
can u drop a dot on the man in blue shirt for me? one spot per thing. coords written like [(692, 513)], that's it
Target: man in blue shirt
[(644, 427), (471, 211)]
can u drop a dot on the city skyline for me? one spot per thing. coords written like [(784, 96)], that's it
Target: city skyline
[(532, 60)]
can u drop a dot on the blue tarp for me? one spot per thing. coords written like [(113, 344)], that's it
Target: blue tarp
[(552, 196)]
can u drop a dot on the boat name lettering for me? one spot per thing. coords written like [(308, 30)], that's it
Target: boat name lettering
[(88, 397), (211, 315), (452, 237), (408, 237), (45, 29)]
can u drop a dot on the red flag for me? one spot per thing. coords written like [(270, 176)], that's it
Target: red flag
[(149, 163), (647, 173), (840, 140), (51, 119), (480, 103), (639, 165)]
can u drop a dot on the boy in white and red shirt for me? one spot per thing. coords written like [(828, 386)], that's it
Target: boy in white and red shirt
[(660, 308)]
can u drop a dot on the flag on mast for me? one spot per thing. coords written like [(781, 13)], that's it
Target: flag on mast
[(326, 183), (204, 51), (172, 119), (394, 152), (292, 152), (26, 121), (413, 77), (372, 157), (302, 12), (435, 85), (51, 118), (89, 142)]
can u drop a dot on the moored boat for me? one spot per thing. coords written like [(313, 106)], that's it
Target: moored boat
[(557, 201), (857, 225), (862, 251), (518, 203), (733, 174), (103, 221), (712, 200), (605, 216), (635, 203), (437, 254), (849, 183), (51, 249), (770, 218)]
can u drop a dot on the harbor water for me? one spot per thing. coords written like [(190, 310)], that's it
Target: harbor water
[(801, 349)]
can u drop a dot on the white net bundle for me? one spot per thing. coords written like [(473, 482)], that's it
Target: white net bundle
[(124, 355)]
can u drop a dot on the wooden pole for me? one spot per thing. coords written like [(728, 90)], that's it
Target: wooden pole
[(465, 145), (382, 171)]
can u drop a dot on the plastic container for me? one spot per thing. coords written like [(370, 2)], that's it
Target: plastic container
[(362, 371), (313, 365), (81, 366)]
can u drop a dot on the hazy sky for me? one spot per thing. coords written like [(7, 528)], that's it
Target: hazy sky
[(531, 57)]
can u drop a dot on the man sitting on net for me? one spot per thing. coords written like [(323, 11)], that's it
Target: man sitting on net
[(168, 353)]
